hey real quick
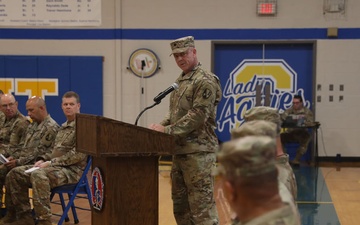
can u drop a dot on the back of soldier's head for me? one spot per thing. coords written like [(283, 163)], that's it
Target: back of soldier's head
[(264, 113), (255, 128), (247, 157)]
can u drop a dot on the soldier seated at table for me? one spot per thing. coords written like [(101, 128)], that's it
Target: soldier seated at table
[(298, 135)]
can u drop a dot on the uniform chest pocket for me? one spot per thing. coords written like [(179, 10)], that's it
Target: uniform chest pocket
[(66, 139), (186, 99)]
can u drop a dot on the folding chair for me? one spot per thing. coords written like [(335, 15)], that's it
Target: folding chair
[(82, 187)]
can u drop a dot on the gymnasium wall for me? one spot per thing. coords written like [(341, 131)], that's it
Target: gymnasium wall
[(131, 24)]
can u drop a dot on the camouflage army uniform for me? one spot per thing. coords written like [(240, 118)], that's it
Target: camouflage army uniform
[(191, 119), (288, 198), (250, 158), (286, 173), (286, 177), (67, 166), (299, 135), (37, 141), (2, 118), (11, 131)]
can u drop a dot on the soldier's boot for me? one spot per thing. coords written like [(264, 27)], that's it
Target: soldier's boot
[(296, 161), (24, 219), (9, 217), (44, 222)]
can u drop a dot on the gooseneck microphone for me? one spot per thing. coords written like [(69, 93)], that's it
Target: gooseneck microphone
[(158, 99), (162, 95)]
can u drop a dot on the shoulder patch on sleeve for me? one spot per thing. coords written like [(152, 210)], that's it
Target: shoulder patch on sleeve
[(49, 137), (207, 93)]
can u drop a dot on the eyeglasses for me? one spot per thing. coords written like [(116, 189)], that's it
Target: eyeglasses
[(10, 105)]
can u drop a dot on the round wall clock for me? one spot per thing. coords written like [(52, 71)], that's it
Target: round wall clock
[(143, 62)]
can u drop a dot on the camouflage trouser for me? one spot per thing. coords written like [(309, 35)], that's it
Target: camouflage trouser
[(193, 189), (41, 181), (301, 136)]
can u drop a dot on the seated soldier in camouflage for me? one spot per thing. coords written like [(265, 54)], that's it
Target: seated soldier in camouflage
[(14, 126), (37, 140), (12, 129), (39, 135), (286, 174), (299, 135), (64, 165), (248, 177)]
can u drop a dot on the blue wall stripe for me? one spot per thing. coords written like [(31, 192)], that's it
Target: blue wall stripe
[(168, 34)]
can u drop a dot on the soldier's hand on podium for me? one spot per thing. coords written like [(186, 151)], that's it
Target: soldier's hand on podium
[(157, 127)]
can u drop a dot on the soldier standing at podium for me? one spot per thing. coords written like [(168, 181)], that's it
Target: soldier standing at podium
[(191, 119)]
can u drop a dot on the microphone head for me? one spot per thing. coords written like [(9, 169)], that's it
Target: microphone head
[(175, 86)]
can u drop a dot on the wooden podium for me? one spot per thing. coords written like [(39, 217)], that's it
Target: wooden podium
[(127, 156)]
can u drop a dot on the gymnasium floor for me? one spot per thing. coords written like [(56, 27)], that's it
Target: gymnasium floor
[(326, 196)]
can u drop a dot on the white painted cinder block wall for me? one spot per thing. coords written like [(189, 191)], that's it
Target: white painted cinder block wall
[(338, 64)]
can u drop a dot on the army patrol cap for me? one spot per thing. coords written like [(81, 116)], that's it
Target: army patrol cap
[(255, 128), (247, 157), (182, 44), (264, 113)]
